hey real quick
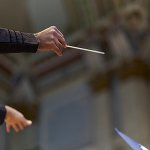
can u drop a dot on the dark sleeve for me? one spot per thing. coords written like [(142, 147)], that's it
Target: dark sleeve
[(17, 42), (2, 114)]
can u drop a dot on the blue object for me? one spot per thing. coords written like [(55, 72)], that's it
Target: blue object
[(133, 144)]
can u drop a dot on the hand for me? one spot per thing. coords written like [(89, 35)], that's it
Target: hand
[(14, 119), (51, 39)]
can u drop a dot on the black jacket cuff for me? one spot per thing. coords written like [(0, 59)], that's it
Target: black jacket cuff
[(2, 114), (17, 42)]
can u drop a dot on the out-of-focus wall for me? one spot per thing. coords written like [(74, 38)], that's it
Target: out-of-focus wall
[(47, 13), (32, 15), (15, 15)]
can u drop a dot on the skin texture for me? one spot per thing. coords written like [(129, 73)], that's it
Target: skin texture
[(15, 119), (51, 39)]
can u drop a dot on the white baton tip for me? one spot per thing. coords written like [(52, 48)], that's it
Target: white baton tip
[(85, 49)]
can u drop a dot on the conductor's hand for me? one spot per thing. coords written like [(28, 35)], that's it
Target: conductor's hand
[(14, 119), (51, 39)]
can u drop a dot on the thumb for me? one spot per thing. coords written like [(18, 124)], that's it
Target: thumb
[(29, 122)]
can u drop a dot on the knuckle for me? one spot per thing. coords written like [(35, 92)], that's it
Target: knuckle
[(52, 38), (52, 43), (53, 32), (54, 27)]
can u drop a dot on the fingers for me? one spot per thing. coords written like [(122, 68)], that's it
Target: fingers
[(61, 40), (19, 125), (57, 50), (57, 34), (58, 44), (16, 127), (55, 28), (8, 127), (26, 123), (29, 122)]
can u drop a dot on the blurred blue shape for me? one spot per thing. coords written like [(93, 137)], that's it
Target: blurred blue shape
[(133, 144)]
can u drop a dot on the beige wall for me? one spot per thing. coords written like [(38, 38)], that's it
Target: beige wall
[(47, 12), (32, 15), (15, 15)]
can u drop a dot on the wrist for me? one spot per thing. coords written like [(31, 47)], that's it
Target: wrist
[(8, 113), (38, 40)]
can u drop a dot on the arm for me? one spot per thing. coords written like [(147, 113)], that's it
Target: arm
[(17, 42)]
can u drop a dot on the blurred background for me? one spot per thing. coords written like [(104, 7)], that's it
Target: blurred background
[(77, 100)]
